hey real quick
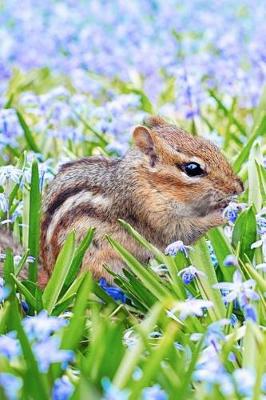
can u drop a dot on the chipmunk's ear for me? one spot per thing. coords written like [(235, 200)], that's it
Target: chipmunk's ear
[(154, 121), (143, 140)]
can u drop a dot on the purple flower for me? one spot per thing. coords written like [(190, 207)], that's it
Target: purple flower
[(63, 389), (115, 292)]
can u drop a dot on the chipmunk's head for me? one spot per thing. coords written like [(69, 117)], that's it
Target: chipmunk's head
[(190, 172)]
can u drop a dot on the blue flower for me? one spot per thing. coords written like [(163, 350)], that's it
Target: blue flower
[(4, 291), (212, 254), (189, 307), (243, 291), (154, 393), (231, 212), (233, 320), (250, 313), (3, 203), (111, 392), (42, 326), (9, 346), (230, 261), (190, 273), (178, 246), (115, 292), (48, 352), (211, 372), (63, 389), (11, 385), (245, 380)]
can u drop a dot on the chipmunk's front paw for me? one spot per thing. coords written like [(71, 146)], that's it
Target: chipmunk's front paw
[(216, 218)]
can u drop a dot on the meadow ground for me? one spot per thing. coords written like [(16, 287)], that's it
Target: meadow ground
[(75, 77)]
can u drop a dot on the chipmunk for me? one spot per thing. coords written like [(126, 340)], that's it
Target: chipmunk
[(170, 186)]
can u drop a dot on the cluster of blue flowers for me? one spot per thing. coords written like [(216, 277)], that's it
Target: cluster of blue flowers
[(198, 44), (42, 332)]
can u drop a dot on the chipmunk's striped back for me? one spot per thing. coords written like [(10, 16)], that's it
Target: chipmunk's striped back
[(83, 194)]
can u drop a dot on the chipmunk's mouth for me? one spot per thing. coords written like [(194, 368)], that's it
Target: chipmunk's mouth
[(208, 207)]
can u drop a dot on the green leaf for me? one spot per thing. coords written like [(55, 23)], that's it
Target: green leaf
[(254, 193), (78, 256), (244, 154), (26, 293), (245, 233), (200, 258), (149, 279), (222, 249), (34, 221), (73, 333), (170, 262), (254, 274), (73, 288), (227, 112), (28, 134), (60, 272)]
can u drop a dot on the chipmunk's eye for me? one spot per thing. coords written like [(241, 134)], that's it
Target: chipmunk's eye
[(192, 169)]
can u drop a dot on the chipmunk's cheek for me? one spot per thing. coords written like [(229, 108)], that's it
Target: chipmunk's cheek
[(202, 206)]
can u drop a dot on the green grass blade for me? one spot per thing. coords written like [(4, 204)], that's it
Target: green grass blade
[(150, 280), (34, 221), (201, 259), (245, 233), (222, 248), (73, 333), (28, 134), (26, 293), (244, 154), (60, 272), (78, 256)]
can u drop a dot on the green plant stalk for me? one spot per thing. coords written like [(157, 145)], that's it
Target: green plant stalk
[(34, 221)]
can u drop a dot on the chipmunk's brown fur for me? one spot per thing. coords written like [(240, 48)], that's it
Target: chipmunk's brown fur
[(148, 188)]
